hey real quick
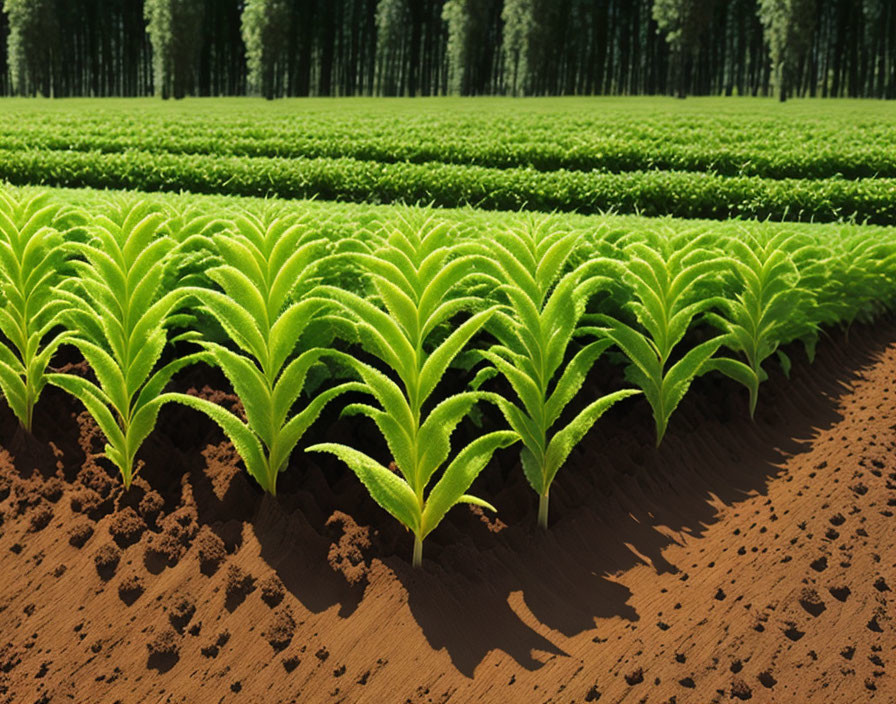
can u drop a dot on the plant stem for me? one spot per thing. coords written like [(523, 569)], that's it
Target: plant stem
[(543, 510), (30, 400), (418, 552)]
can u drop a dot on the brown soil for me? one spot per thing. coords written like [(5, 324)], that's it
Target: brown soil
[(740, 562)]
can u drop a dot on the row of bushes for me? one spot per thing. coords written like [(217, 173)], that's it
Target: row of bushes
[(651, 193), (611, 155)]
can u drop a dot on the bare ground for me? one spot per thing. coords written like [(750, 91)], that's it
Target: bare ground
[(741, 561)]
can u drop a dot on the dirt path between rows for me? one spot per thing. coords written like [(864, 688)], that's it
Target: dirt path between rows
[(741, 561)]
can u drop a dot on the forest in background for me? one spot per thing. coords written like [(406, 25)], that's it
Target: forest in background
[(278, 48)]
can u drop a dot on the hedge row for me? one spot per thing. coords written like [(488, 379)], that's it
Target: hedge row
[(796, 162), (651, 193)]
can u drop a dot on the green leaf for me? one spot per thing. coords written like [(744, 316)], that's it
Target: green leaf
[(157, 382), (738, 371), (437, 363), (784, 360), (460, 474), (391, 344), (237, 322), (251, 387), (552, 262), (243, 439), (533, 470), (108, 373), (636, 347), (571, 380), (95, 401), (242, 290), (288, 328), (476, 501), (390, 491), (287, 438), (434, 436), (679, 377), (565, 440)]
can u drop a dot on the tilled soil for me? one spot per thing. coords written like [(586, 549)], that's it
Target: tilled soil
[(740, 561)]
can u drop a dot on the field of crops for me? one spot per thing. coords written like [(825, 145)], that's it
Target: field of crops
[(263, 296), (448, 415), (708, 159)]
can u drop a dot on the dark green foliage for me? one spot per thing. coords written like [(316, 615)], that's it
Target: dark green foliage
[(33, 45), (530, 45), (433, 47), (788, 28), (470, 50), (719, 136), (265, 27), (173, 26), (684, 22)]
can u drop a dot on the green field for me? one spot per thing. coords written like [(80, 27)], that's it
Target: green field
[(700, 158)]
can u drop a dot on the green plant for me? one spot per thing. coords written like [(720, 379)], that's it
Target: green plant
[(840, 140), (118, 313), (758, 318), (418, 275), (649, 192), (664, 278), (31, 259), (858, 282), (265, 308), (535, 330)]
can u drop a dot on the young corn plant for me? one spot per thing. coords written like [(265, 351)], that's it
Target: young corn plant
[(761, 315), (268, 267), (31, 262), (667, 280), (535, 330), (118, 313), (419, 277)]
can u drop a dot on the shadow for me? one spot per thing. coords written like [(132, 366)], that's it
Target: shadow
[(188, 461), (236, 590), (488, 582), (52, 448), (300, 556), (162, 662), (106, 568), (155, 562), (618, 502), (130, 595)]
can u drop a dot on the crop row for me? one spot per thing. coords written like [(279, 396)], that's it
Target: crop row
[(576, 136), (607, 154), (296, 320), (651, 193)]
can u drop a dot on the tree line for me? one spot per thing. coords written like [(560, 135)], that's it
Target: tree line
[(276, 48)]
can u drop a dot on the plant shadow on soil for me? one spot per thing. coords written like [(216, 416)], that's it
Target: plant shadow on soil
[(617, 503), (488, 582)]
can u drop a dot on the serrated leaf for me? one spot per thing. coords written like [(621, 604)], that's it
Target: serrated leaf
[(460, 474), (243, 439), (566, 439), (388, 490)]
